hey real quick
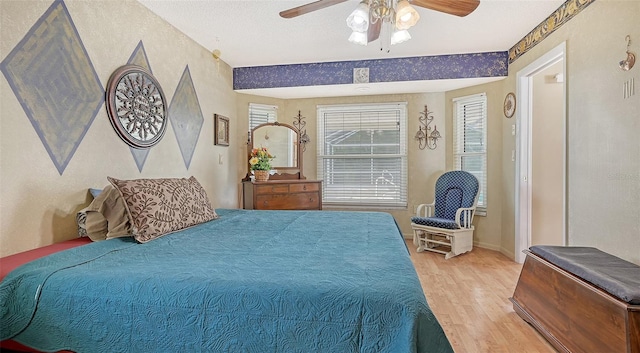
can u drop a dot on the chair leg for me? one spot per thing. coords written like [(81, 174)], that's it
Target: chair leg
[(418, 240)]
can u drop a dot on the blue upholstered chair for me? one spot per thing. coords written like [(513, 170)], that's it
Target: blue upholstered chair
[(445, 226)]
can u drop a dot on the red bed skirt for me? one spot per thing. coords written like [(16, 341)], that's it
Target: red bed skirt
[(11, 262)]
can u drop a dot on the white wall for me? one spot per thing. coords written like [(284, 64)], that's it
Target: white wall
[(603, 165), (487, 232), (37, 204)]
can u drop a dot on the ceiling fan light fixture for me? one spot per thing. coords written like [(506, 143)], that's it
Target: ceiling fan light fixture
[(406, 15), (400, 36), (358, 38), (358, 21), (380, 9)]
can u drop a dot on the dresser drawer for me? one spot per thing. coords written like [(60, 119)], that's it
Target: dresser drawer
[(304, 187), (282, 195), (271, 189), (293, 201)]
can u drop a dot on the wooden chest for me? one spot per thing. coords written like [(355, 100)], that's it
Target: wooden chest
[(282, 195), (572, 314)]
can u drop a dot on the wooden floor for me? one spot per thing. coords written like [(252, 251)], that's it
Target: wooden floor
[(469, 295)]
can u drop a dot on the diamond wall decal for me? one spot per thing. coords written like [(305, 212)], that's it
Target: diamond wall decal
[(139, 57), (53, 78), (186, 116)]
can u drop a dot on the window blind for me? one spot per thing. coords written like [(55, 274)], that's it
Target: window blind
[(470, 140), (362, 154), (261, 113)]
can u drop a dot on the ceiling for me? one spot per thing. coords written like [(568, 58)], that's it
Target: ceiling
[(251, 33)]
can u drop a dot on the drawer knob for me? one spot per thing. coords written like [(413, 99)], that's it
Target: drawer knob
[(304, 187)]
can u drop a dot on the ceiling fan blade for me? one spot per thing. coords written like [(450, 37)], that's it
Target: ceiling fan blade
[(301, 10), (373, 32), (453, 7)]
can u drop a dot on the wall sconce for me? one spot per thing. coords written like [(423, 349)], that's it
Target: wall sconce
[(299, 123), (627, 64), (426, 136)]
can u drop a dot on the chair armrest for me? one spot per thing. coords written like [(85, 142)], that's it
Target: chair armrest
[(425, 209), (468, 212)]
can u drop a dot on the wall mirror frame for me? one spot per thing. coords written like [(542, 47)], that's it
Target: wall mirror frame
[(283, 141)]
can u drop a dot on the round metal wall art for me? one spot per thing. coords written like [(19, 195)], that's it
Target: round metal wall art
[(136, 106)]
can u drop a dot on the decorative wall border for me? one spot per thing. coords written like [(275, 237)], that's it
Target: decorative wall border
[(492, 64), (559, 17)]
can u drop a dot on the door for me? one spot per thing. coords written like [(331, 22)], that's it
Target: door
[(547, 156), (540, 207)]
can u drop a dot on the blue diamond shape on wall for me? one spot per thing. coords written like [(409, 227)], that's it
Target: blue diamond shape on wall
[(54, 80), (186, 116), (139, 57)]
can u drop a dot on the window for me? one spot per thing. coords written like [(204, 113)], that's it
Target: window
[(261, 113), (470, 141), (362, 154)]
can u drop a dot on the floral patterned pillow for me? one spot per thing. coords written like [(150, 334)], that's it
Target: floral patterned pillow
[(160, 206)]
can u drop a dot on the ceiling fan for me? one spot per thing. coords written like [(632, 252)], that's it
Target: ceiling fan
[(381, 11)]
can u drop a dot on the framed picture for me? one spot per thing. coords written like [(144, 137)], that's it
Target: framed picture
[(221, 130)]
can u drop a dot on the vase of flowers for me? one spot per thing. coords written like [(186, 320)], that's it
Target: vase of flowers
[(260, 162)]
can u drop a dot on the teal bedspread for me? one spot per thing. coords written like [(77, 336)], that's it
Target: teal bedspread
[(250, 281)]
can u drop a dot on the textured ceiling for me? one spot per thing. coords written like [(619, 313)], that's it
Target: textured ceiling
[(251, 33)]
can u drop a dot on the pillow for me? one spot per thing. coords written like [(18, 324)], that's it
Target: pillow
[(105, 218), (81, 220), (81, 216), (161, 206)]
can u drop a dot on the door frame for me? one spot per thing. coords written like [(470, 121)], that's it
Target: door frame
[(523, 197)]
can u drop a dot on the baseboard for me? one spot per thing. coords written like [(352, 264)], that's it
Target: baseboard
[(506, 252), (503, 251), (486, 246)]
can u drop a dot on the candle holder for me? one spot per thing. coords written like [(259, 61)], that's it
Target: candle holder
[(299, 123), (426, 136)]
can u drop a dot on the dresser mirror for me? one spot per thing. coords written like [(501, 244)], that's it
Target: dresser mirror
[(283, 142)]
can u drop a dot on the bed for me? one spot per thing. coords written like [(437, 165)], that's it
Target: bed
[(246, 281)]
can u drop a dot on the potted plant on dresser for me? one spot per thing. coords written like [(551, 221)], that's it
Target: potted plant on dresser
[(260, 162)]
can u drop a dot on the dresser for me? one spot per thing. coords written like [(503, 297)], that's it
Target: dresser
[(282, 195)]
